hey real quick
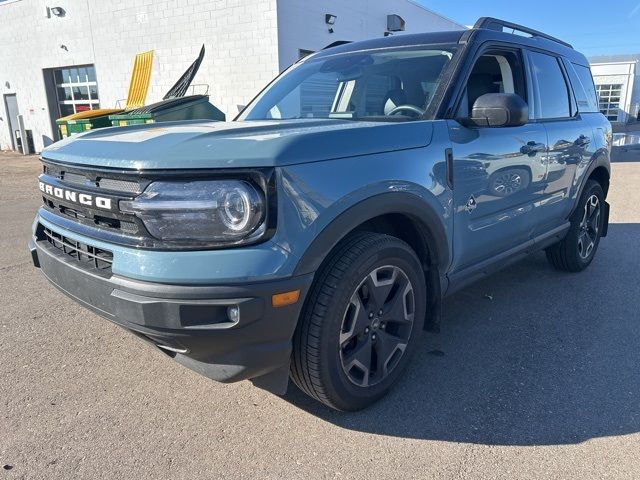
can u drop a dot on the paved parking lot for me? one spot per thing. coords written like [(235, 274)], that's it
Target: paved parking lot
[(536, 374)]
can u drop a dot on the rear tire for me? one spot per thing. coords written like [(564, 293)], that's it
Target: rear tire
[(360, 323), (576, 251)]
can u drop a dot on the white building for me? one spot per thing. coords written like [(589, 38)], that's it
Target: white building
[(79, 55), (617, 79)]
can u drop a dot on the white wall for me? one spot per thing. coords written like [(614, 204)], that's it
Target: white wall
[(30, 42), (244, 48), (240, 37), (622, 73), (301, 24)]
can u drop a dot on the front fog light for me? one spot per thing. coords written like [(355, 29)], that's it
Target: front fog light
[(233, 313)]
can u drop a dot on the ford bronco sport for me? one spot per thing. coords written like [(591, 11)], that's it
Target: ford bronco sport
[(316, 235)]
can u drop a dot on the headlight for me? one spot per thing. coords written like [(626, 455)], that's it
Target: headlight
[(201, 211)]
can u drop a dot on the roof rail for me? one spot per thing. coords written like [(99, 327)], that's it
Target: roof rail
[(491, 23), (337, 44)]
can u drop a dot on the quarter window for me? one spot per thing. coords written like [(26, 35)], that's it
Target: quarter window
[(609, 95), (552, 94), (587, 99), (76, 89)]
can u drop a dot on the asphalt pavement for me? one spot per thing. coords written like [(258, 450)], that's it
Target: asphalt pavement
[(536, 374)]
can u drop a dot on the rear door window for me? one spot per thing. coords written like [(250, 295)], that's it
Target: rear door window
[(550, 87)]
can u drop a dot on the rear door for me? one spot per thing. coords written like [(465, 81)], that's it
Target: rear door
[(569, 133), (496, 171)]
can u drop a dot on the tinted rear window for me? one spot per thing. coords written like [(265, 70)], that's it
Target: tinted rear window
[(552, 93)]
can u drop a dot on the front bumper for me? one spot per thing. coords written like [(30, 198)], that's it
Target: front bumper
[(191, 322)]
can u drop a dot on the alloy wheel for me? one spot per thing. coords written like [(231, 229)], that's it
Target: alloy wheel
[(589, 227), (377, 325)]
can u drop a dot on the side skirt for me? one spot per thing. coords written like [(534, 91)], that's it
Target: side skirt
[(469, 275)]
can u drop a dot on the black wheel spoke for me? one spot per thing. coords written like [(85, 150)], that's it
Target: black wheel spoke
[(379, 286), (359, 359), (395, 310), (583, 222), (589, 227), (356, 320), (388, 348)]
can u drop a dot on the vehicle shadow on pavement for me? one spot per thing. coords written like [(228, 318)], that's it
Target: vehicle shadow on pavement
[(528, 356)]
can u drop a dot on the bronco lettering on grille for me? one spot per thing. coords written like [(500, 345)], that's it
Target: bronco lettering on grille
[(76, 197)]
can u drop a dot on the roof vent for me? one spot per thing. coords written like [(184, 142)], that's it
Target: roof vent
[(395, 23)]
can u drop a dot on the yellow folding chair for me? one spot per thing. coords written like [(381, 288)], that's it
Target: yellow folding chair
[(138, 89)]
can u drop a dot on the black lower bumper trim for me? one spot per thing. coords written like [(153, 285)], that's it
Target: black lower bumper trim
[(192, 323)]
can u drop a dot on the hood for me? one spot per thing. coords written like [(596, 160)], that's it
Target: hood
[(200, 144)]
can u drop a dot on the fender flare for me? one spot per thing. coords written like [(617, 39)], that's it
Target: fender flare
[(428, 220), (601, 159)]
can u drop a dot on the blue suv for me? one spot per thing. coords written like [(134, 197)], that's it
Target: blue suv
[(315, 236)]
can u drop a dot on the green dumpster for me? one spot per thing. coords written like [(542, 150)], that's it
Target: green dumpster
[(83, 121), (192, 107)]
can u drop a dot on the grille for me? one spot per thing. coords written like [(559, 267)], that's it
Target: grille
[(94, 219), (114, 184), (90, 257), (119, 185), (74, 178)]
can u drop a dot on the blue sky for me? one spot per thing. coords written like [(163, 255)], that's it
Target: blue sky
[(593, 27)]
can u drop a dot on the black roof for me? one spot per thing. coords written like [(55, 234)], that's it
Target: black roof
[(476, 34), (405, 40)]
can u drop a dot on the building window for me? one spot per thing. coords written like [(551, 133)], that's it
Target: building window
[(609, 100), (76, 89)]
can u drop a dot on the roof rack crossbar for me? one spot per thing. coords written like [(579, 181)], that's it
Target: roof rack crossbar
[(491, 23)]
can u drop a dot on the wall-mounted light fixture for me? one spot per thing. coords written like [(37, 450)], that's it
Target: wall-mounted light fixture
[(330, 20), (56, 11)]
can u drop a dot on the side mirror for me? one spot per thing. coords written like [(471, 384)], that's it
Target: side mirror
[(499, 110)]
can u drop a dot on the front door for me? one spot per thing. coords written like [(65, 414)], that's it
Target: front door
[(11, 105), (498, 173)]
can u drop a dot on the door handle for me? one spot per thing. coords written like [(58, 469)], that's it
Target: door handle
[(582, 141), (531, 148)]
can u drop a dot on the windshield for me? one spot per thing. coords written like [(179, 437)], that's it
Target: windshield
[(377, 85)]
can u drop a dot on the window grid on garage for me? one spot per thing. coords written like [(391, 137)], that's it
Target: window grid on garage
[(76, 89), (609, 100)]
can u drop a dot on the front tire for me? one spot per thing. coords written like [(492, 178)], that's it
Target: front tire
[(361, 322), (576, 251)]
